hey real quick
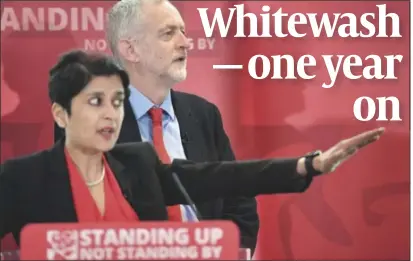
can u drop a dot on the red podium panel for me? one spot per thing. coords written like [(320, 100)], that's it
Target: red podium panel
[(131, 241)]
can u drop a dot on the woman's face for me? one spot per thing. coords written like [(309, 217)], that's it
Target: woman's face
[(96, 115)]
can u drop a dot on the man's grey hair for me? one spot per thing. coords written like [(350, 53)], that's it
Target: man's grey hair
[(124, 20)]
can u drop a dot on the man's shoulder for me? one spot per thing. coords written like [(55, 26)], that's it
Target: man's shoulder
[(194, 100)]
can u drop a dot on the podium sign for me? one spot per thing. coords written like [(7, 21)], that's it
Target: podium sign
[(207, 240)]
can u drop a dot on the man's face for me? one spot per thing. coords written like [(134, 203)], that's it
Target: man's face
[(163, 45)]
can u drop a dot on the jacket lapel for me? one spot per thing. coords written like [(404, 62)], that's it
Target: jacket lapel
[(130, 129), (138, 193), (123, 179), (60, 207), (191, 133), (61, 203), (188, 125)]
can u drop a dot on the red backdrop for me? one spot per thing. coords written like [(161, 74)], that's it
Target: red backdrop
[(360, 212)]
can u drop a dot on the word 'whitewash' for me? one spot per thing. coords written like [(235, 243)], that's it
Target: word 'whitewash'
[(342, 24)]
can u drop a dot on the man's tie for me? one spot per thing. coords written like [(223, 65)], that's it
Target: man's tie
[(174, 212)]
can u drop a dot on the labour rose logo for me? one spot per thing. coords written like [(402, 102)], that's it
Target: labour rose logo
[(62, 245)]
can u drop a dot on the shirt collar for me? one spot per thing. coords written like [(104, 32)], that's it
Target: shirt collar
[(141, 104)]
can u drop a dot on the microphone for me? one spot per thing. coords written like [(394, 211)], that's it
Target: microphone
[(186, 196)]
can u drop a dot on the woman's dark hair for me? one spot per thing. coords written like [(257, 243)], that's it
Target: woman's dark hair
[(75, 69)]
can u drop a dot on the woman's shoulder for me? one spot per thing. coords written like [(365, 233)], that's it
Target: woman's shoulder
[(27, 158), (24, 164), (135, 152), (134, 148)]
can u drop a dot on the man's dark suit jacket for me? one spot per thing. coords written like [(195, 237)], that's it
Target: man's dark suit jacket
[(203, 139), (36, 188)]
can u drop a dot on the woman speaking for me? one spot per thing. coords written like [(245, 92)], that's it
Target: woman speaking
[(87, 178)]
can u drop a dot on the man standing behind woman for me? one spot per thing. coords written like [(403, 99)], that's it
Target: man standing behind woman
[(148, 39)]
